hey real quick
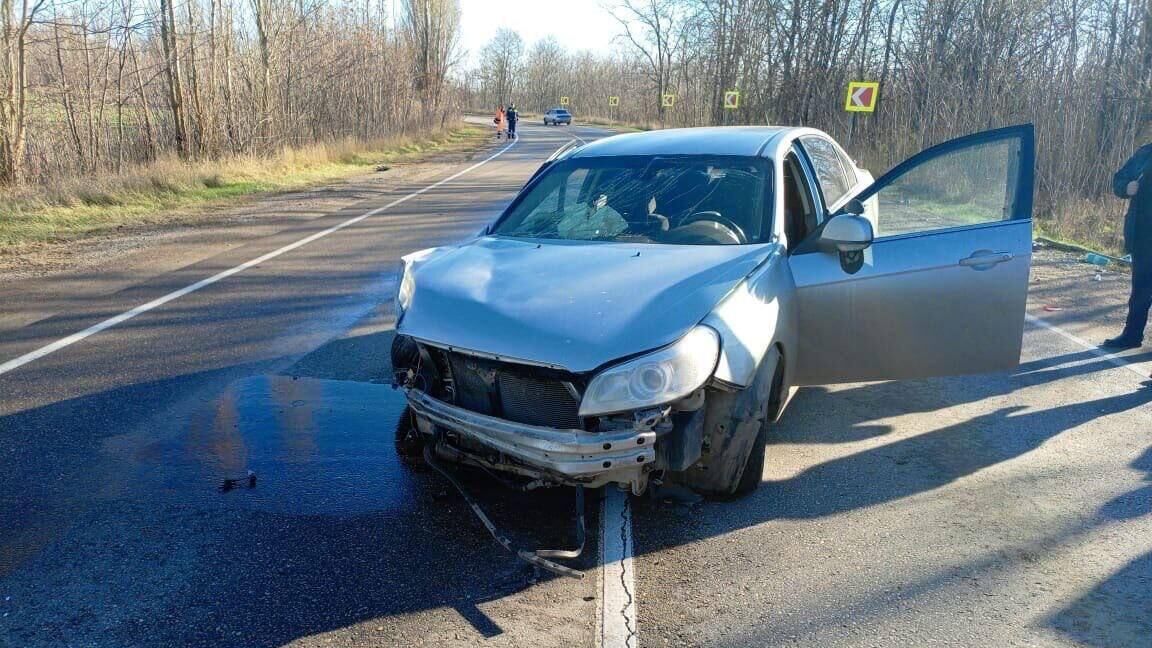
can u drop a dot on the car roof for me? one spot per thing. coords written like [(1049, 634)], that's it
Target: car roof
[(714, 140)]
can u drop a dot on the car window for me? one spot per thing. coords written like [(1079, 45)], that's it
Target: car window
[(830, 173), (849, 167), (800, 213), (965, 187), (692, 200)]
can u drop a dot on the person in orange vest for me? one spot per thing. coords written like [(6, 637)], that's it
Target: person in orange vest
[(499, 120)]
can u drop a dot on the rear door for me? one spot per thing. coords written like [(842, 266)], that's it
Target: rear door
[(942, 288)]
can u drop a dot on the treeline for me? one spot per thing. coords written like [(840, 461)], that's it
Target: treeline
[(1081, 70), (90, 86)]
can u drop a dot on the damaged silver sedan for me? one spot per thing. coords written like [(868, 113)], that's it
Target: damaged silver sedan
[(647, 304)]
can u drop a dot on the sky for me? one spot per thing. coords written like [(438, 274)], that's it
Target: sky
[(577, 24)]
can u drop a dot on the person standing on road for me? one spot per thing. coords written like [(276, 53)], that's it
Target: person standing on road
[(1133, 182), (499, 120), (512, 117)]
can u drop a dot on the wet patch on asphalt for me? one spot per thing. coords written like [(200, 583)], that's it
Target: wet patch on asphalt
[(337, 536)]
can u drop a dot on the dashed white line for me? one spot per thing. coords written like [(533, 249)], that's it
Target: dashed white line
[(62, 343), (618, 596), (1110, 357)]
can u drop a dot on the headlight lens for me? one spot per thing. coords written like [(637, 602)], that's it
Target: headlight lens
[(404, 292), (407, 285), (654, 379)]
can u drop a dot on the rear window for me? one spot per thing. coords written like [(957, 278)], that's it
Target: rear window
[(687, 200)]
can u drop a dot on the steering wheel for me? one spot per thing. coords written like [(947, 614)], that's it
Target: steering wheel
[(723, 221)]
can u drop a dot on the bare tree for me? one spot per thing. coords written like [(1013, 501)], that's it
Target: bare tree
[(501, 62), (653, 27), (98, 85), (17, 20), (432, 28)]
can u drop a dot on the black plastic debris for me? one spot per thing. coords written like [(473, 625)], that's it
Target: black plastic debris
[(249, 481)]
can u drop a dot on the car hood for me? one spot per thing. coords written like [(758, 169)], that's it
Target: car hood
[(574, 305)]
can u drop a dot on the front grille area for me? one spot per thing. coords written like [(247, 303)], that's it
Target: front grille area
[(510, 391), (537, 402)]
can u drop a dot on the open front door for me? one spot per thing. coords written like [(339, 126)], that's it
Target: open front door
[(942, 288)]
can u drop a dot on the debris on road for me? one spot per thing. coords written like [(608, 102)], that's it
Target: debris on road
[(539, 557), (1096, 259), (230, 484)]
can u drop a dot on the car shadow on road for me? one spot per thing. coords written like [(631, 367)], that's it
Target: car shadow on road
[(1117, 612), (123, 537), (906, 466)]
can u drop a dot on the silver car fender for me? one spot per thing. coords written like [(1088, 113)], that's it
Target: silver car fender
[(756, 316), (732, 422)]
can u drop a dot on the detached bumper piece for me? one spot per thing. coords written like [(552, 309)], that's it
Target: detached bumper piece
[(539, 557), (573, 457)]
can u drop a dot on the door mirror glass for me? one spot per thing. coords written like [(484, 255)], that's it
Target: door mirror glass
[(846, 233)]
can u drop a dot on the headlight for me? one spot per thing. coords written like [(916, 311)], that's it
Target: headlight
[(404, 292), (407, 284), (654, 379)]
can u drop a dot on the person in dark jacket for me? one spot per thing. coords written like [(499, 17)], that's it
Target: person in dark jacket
[(512, 116), (1133, 182)]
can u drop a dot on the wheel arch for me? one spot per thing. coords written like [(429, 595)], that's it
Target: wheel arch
[(781, 385)]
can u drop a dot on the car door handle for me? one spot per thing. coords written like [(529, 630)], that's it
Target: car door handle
[(983, 260)]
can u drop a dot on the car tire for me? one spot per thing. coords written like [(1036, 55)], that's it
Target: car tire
[(753, 474), (409, 444)]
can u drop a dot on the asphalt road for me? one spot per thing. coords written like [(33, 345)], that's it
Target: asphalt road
[(1004, 510)]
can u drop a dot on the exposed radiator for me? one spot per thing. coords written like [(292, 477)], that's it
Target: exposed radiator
[(511, 392)]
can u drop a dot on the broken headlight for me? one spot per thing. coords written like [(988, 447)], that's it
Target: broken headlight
[(407, 284), (404, 291), (654, 379)]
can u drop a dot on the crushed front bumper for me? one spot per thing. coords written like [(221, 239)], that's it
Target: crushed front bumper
[(576, 457)]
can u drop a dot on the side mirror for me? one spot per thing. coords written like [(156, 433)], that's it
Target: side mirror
[(852, 207), (846, 232)]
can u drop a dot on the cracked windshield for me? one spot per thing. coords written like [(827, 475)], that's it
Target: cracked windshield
[(691, 200)]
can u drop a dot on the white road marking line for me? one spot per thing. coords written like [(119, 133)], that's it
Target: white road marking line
[(1110, 357), (32, 356), (618, 595)]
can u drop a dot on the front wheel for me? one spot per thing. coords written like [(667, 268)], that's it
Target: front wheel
[(736, 429), (754, 467), (409, 444)]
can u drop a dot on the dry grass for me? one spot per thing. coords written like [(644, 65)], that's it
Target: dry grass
[(623, 127), (1098, 225), (158, 192)]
